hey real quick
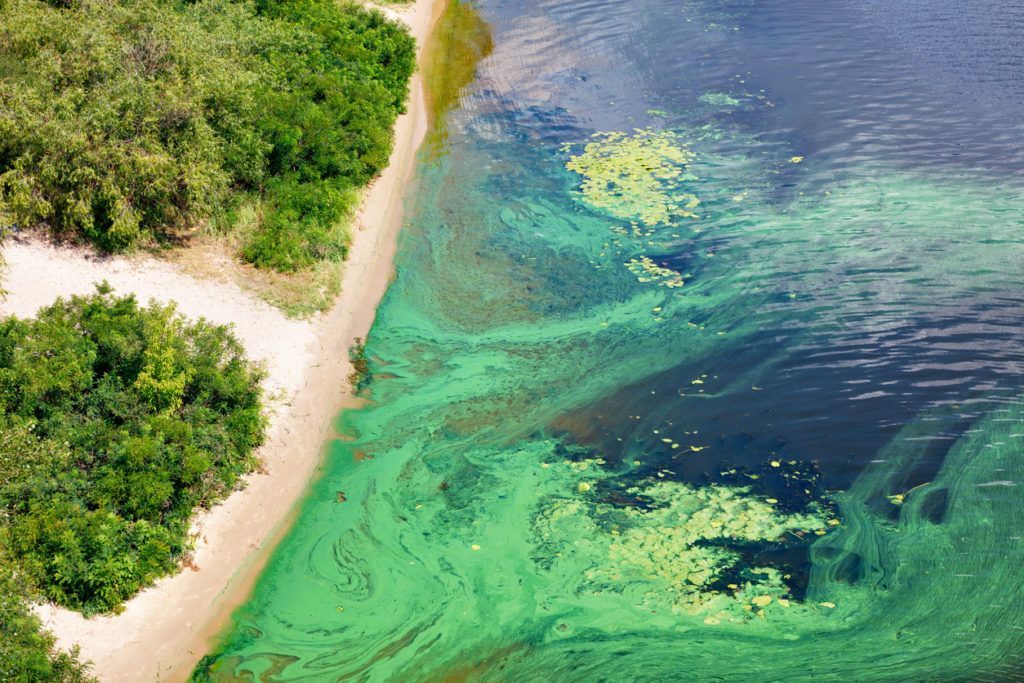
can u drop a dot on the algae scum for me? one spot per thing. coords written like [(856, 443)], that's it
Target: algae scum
[(701, 363)]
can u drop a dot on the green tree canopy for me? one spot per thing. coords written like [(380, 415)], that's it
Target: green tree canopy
[(126, 121), (27, 653), (116, 422)]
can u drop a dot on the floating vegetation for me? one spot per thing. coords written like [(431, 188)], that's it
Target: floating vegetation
[(675, 550), (646, 270), (641, 177), (719, 99), (637, 176)]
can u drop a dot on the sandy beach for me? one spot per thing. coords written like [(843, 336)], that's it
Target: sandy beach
[(165, 629)]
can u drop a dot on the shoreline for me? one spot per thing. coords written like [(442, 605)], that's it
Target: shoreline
[(165, 629)]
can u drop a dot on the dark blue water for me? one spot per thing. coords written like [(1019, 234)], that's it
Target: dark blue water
[(934, 86)]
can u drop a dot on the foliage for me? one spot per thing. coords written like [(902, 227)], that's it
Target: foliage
[(27, 653), (359, 378), (137, 120), (116, 422)]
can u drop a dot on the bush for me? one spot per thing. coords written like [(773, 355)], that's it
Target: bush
[(301, 225), (116, 423), (27, 653), (129, 121)]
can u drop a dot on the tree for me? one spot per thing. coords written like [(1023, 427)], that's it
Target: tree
[(116, 422)]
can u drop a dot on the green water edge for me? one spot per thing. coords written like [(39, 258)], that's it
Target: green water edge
[(459, 42), (475, 545)]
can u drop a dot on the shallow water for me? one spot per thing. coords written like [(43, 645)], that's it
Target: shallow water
[(803, 463)]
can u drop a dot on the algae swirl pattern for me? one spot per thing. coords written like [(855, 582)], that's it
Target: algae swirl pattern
[(562, 473)]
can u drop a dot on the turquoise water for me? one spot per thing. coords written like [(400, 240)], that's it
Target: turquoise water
[(732, 393)]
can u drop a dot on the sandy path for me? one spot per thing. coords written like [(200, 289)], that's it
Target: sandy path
[(36, 272), (165, 629)]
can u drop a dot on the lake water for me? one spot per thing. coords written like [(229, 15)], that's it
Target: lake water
[(704, 361)]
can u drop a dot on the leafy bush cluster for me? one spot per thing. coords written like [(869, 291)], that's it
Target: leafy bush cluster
[(123, 121), (27, 653), (116, 422)]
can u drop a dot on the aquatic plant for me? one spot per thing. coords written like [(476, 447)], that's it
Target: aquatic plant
[(461, 40), (674, 548), (719, 99), (360, 375), (646, 270), (637, 176)]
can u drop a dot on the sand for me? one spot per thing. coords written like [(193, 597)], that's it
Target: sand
[(165, 629)]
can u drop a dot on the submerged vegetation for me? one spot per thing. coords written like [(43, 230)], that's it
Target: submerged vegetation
[(140, 121), (462, 40), (116, 422)]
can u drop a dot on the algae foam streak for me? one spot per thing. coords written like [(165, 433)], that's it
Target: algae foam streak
[(704, 360)]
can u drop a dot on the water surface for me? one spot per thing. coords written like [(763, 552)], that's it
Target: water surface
[(773, 435)]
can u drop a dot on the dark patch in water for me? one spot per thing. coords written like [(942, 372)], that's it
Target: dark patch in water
[(933, 507)]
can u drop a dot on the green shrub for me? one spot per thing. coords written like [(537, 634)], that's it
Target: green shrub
[(27, 653), (126, 121), (116, 422), (301, 225)]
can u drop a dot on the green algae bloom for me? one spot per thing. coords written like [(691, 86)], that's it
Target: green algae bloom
[(719, 99), (637, 176), (669, 554), (571, 583), (646, 270)]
